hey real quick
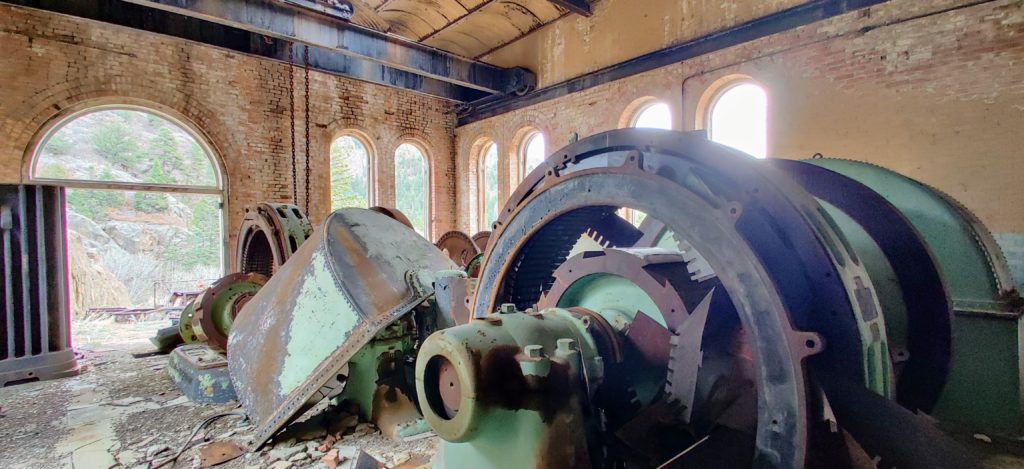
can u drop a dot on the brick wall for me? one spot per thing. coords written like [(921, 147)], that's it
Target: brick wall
[(933, 89), (51, 65)]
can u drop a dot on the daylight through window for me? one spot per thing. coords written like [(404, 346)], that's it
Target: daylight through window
[(489, 184), (412, 190), (144, 206), (739, 118), (534, 152), (350, 173)]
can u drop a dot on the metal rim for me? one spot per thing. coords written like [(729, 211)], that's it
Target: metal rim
[(741, 215), (221, 303), (268, 236), (925, 294), (458, 246), (395, 214)]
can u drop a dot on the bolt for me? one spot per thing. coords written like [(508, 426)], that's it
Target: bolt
[(534, 351), (507, 308), (566, 346)]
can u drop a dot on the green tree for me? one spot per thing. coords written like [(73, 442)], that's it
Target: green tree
[(58, 145), (153, 202), (163, 150), (202, 245), (490, 181), (94, 204), (349, 174), (200, 166), (411, 191), (113, 140)]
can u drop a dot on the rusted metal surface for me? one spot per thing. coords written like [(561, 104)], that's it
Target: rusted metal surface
[(268, 236), (201, 373), (458, 247), (770, 240), (481, 239), (453, 295), (216, 309), (35, 314), (219, 452), (360, 271), (395, 214)]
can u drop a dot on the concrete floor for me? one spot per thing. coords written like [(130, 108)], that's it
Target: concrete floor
[(124, 411)]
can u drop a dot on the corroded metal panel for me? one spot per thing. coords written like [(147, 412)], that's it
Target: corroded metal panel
[(359, 272)]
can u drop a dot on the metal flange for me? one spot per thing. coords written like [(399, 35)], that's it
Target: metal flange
[(220, 304), (268, 236)]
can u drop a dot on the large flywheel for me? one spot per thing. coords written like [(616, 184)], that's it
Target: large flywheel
[(698, 339)]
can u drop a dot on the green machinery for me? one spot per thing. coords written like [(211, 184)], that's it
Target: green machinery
[(765, 314), (780, 314)]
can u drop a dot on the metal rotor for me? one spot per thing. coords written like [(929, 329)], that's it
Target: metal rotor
[(220, 304)]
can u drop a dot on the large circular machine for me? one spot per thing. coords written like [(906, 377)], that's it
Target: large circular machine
[(269, 235), (784, 314), (212, 314)]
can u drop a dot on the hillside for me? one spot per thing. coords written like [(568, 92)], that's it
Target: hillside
[(129, 248)]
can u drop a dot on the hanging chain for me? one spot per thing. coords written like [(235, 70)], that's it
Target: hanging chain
[(291, 106), (306, 63)]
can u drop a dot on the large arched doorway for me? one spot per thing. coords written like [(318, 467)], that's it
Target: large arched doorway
[(145, 205)]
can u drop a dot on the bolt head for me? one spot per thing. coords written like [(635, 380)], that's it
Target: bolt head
[(534, 351)]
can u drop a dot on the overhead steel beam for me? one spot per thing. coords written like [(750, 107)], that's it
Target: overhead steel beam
[(775, 23), (285, 22), (580, 7), (166, 23)]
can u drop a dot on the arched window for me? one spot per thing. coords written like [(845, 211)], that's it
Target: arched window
[(412, 186), (144, 203), (655, 115), (350, 173), (533, 151), (738, 117), (489, 185)]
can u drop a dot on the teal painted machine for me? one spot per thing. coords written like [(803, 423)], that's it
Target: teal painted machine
[(764, 314)]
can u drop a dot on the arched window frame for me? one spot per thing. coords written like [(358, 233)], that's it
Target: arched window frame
[(528, 135), (481, 166), (373, 192), (70, 114), (58, 123), (636, 109), (715, 92), (428, 207)]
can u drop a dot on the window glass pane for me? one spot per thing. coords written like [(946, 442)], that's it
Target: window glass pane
[(654, 116), (134, 249), (535, 152), (739, 119), (125, 146), (490, 184), (411, 190), (350, 175)]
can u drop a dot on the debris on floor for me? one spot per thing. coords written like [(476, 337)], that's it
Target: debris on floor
[(125, 412)]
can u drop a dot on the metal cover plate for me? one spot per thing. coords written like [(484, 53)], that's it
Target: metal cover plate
[(343, 285)]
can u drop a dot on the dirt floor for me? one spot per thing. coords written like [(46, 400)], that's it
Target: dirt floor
[(124, 411)]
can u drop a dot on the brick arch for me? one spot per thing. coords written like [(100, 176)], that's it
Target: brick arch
[(435, 159), (470, 154), (525, 129), (74, 96), (49, 106), (368, 137)]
